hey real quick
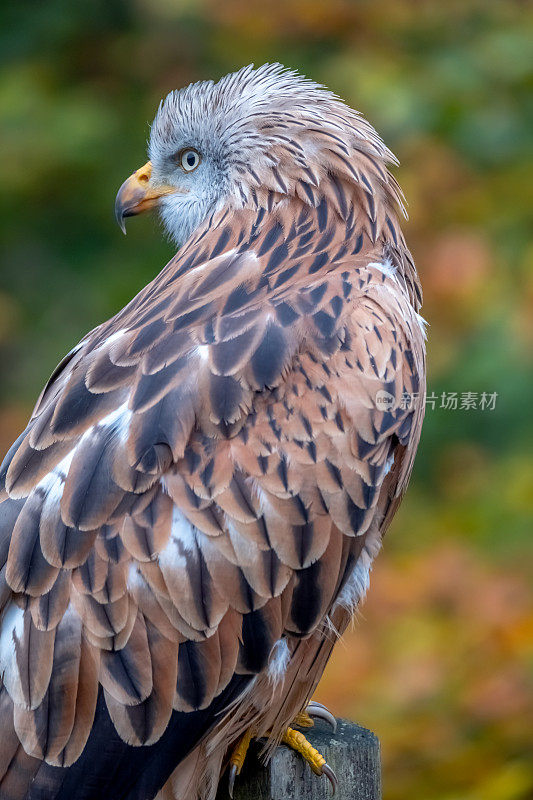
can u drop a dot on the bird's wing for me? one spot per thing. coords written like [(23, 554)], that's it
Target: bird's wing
[(195, 479)]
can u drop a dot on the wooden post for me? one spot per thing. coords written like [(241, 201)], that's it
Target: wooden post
[(352, 751)]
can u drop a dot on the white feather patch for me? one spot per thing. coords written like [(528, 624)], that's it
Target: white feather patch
[(118, 419), (386, 267), (278, 661), (182, 537), (113, 338), (203, 351), (11, 633), (388, 465), (423, 324), (356, 587)]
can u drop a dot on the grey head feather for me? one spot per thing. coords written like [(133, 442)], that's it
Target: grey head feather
[(256, 130)]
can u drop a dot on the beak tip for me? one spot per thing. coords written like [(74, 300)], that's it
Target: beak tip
[(119, 217)]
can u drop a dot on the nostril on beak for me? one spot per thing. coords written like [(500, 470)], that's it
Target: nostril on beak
[(144, 174)]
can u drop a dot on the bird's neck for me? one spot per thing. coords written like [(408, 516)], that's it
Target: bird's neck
[(342, 226)]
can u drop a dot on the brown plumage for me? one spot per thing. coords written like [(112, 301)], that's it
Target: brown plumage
[(197, 499)]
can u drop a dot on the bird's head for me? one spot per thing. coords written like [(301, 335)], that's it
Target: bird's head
[(253, 134)]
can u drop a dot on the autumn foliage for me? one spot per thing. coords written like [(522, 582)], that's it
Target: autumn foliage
[(440, 661)]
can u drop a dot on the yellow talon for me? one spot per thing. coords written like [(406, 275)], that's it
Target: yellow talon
[(237, 759), (297, 741), (239, 753)]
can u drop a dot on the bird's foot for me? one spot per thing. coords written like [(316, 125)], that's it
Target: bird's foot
[(297, 741), (237, 758), (293, 739)]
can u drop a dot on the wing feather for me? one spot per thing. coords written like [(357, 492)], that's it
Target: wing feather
[(45, 730)]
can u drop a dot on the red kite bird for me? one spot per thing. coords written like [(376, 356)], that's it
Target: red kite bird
[(190, 517)]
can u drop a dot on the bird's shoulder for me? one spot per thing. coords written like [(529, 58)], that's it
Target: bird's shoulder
[(247, 313)]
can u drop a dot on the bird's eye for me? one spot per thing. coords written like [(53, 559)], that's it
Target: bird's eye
[(189, 159)]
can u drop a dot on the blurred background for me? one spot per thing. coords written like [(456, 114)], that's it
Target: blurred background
[(440, 662)]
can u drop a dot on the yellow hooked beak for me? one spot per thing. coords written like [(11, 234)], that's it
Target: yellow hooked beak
[(137, 195)]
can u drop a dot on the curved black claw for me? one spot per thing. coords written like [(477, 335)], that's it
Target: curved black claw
[(231, 779), (319, 711), (330, 775)]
